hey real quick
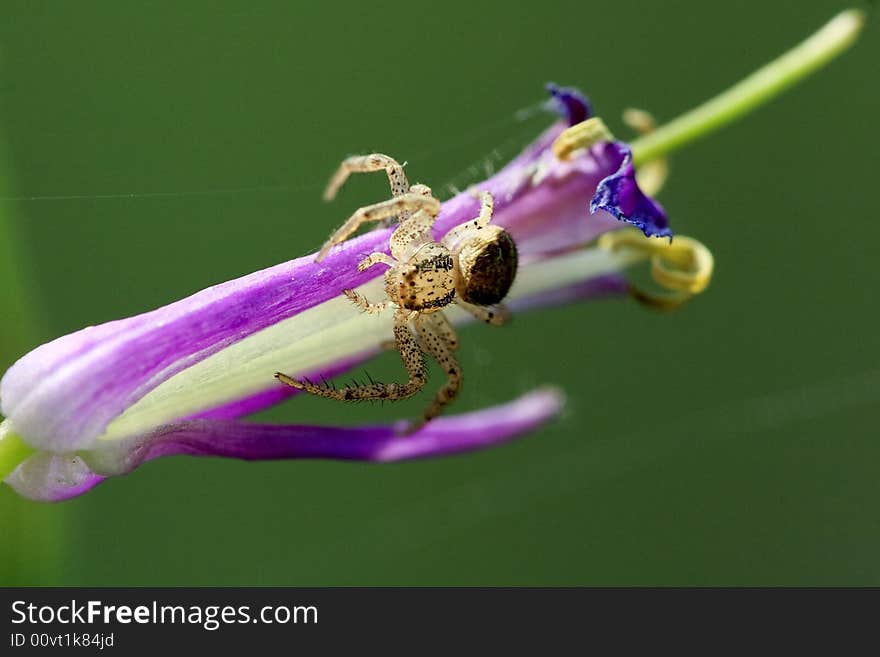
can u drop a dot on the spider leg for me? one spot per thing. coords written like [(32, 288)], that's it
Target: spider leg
[(375, 259), (441, 326), (413, 361), (495, 315), (487, 207), (377, 212), (364, 164), (434, 335), (413, 232), (361, 302)]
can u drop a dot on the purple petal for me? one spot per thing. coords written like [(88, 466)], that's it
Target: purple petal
[(553, 216), (569, 103), (619, 194), (47, 477), (111, 366), (601, 287), (380, 443), (50, 477)]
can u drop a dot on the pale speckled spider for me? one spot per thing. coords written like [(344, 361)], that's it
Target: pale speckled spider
[(473, 266)]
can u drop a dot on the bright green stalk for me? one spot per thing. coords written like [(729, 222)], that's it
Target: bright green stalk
[(758, 88)]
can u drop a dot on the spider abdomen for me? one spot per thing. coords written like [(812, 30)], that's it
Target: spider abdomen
[(487, 267)]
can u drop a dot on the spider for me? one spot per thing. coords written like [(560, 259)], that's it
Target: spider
[(473, 267)]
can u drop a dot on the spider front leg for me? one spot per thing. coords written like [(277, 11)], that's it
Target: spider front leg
[(365, 164), (410, 354), (375, 259), (377, 212), (361, 302)]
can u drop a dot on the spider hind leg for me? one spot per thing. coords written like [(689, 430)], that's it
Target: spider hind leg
[(413, 361), (438, 339)]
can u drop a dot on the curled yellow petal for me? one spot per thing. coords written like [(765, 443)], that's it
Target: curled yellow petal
[(683, 267)]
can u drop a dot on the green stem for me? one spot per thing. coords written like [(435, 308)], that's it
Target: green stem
[(758, 88)]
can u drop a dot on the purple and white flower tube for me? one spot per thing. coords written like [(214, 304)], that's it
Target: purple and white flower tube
[(176, 380)]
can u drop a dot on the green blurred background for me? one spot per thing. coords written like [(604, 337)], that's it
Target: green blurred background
[(734, 442)]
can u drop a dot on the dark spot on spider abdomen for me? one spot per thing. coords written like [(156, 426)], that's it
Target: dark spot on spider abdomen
[(440, 262), (492, 271), (428, 301)]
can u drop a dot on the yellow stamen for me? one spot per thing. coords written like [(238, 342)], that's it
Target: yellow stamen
[(579, 136), (683, 266), (639, 120)]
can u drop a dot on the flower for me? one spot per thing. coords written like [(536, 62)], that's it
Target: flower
[(176, 380)]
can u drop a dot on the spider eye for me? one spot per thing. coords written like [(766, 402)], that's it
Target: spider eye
[(487, 269)]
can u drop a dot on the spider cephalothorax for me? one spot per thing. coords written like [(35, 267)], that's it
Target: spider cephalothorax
[(473, 266)]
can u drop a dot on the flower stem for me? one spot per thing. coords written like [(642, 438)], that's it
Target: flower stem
[(758, 88)]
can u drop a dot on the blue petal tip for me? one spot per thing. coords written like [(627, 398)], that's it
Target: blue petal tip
[(619, 194), (569, 103)]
